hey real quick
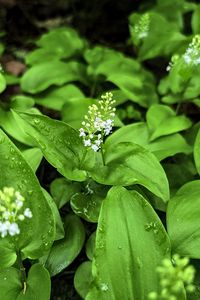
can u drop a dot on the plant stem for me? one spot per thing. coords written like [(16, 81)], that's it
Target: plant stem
[(22, 269)]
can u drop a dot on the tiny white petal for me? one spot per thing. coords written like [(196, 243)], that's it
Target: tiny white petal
[(95, 148), (13, 229), (28, 213)]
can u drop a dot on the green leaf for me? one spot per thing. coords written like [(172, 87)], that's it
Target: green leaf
[(41, 55), (127, 164), (87, 206), (83, 278), (60, 144), (162, 120), (38, 284), (126, 73), (90, 246), (33, 156), (37, 233), (40, 77), (63, 42), (10, 283), (22, 103), (196, 20), (7, 254), (14, 125), (2, 83), (122, 267), (57, 218), (63, 252), (157, 42), (55, 98), (138, 133), (183, 220), (62, 190), (73, 116), (197, 152)]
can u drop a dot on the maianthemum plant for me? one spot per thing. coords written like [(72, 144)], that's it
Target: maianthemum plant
[(127, 151)]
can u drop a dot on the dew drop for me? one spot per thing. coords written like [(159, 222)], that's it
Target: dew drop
[(104, 287), (36, 121)]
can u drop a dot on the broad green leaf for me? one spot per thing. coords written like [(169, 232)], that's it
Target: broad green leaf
[(87, 202), (138, 133), (33, 156), (128, 163), (38, 284), (41, 55), (62, 190), (63, 252), (122, 267), (60, 144), (183, 220), (173, 15), (196, 20), (14, 125), (170, 145), (40, 77), (126, 73), (2, 83), (63, 42), (55, 98), (10, 283), (83, 278), (197, 152), (11, 79), (37, 233), (162, 120), (87, 206), (7, 254), (22, 103), (56, 215), (74, 111), (90, 246), (136, 87)]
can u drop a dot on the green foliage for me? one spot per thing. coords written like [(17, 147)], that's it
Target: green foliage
[(119, 262), (128, 198)]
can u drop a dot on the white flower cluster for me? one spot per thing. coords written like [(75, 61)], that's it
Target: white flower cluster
[(174, 275), (192, 54), (190, 58), (11, 205), (98, 123), (141, 29)]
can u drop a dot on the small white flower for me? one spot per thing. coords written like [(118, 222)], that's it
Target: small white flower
[(6, 215), (28, 213), (87, 143), (3, 229), (99, 122), (95, 148), (13, 229), (18, 203), (82, 132), (21, 217), (187, 59)]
